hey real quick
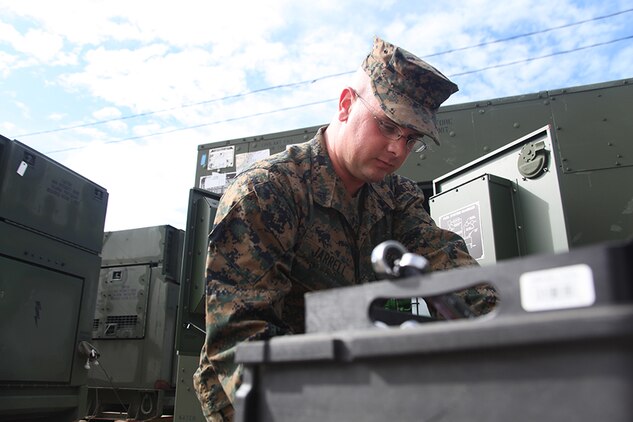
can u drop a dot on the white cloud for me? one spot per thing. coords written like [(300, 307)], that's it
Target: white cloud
[(56, 116), (7, 62), (159, 66), (106, 113), (39, 44), (145, 180)]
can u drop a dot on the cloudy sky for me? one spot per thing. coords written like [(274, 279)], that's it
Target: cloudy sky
[(123, 92)]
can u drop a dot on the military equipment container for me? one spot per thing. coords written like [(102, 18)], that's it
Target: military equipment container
[(51, 226), (191, 309), (501, 208), (565, 178), (135, 321)]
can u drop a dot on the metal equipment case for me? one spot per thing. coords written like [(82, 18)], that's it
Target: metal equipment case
[(559, 347), (219, 162), (482, 212), (190, 333), (51, 226), (509, 202), (135, 322)]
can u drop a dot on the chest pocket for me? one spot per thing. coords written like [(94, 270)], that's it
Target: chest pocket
[(324, 256)]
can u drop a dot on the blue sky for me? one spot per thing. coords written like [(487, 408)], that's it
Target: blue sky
[(123, 92)]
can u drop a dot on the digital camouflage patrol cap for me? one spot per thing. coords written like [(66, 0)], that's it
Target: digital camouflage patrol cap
[(409, 89)]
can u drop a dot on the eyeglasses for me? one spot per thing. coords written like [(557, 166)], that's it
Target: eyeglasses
[(414, 142)]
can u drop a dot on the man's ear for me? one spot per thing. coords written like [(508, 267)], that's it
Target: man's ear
[(345, 104)]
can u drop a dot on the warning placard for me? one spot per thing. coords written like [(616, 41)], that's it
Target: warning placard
[(466, 222)]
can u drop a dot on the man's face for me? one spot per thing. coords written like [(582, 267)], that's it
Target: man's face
[(367, 154)]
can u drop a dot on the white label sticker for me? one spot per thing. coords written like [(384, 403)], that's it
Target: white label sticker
[(220, 158), (557, 288), (466, 222), (242, 161), (22, 168), (215, 182)]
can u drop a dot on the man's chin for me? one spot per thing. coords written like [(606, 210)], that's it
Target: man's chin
[(377, 177)]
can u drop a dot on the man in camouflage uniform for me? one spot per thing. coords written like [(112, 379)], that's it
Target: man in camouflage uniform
[(308, 218)]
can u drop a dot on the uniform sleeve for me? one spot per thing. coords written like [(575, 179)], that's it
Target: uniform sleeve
[(444, 249), (250, 252)]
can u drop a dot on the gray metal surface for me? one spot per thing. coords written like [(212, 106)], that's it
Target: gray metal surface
[(348, 308), (538, 377), (515, 364)]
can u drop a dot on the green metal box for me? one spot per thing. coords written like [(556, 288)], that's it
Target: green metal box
[(44, 196), (135, 322), (190, 331), (481, 211), (51, 220)]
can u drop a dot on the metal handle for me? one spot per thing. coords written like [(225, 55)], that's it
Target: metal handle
[(391, 259), (385, 258)]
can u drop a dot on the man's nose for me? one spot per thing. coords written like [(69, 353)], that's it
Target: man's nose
[(397, 147)]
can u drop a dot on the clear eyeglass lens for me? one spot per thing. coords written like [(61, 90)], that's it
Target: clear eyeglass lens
[(416, 145), (388, 130), (394, 132)]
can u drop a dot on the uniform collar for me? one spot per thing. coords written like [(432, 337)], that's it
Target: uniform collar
[(328, 188)]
